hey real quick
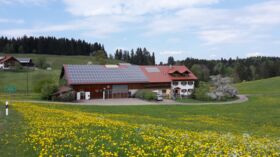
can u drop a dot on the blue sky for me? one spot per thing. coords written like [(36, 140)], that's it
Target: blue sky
[(207, 29)]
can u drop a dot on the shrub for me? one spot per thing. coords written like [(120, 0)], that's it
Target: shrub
[(222, 90), (66, 97), (219, 89), (42, 63), (200, 93), (48, 90), (41, 83), (145, 94), (18, 67)]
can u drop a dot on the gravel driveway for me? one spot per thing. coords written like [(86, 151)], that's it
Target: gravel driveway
[(134, 101)]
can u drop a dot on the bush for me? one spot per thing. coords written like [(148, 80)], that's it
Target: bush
[(48, 90), (219, 89), (145, 94), (201, 93), (66, 97), (42, 63), (41, 83)]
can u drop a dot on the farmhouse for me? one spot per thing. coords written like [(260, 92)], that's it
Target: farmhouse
[(123, 80), (8, 62)]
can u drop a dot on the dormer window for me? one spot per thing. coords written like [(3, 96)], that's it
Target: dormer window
[(179, 74)]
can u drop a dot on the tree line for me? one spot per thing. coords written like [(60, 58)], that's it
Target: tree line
[(247, 69), (138, 57), (49, 45)]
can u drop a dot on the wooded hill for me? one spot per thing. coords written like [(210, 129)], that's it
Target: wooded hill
[(49, 45)]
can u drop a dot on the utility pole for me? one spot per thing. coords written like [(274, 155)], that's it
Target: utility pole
[(27, 82)]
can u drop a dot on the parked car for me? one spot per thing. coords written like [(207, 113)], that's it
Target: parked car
[(159, 97)]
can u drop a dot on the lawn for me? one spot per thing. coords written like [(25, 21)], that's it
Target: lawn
[(248, 129), (19, 79), (266, 86)]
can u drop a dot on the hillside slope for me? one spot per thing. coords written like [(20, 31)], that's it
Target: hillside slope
[(56, 61), (264, 86)]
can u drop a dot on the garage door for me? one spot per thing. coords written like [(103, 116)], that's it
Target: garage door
[(120, 91)]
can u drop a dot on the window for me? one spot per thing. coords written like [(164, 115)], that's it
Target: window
[(184, 83), (183, 90), (190, 90), (175, 83), (190, 82)]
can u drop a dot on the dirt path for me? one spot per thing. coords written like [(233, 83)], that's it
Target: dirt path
[(136, 102)]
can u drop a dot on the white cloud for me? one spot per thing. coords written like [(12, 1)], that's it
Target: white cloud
[(87, 26), (131, 7), (221, 26)]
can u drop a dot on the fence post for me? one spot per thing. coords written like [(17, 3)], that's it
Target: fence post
[(7, 109)]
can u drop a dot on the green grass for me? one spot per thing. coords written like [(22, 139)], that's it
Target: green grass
[(191, 100), (19, 79), (265, 86), (56, 61), (259, 116), (11, 132)]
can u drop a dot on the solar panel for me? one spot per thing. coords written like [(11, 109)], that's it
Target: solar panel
[(101, 74), (152, 69)]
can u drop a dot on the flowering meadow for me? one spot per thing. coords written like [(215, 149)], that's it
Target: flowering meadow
[(57, 132)]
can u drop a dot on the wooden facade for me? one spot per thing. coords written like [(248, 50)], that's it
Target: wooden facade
[(96, 90)]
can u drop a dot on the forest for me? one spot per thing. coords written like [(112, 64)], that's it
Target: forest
[(245, 69), (48, 45), (139, 57)]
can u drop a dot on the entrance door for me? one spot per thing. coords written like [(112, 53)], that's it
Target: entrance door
[(177, 92), (87, 95)]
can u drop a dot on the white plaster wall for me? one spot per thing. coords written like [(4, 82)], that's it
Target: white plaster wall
[(1, 66), (187, 87)]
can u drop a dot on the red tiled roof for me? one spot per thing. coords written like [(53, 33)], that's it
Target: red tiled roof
[(163, 75)]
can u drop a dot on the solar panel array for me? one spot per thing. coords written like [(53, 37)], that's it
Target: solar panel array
[(152, 69), (85, 74)]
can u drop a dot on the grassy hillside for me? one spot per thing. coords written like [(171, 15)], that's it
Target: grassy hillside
[(265, 86), (56, 61)]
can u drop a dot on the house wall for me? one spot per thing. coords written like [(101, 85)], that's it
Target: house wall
[(1, 66), (96, 90), (184, 89)]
